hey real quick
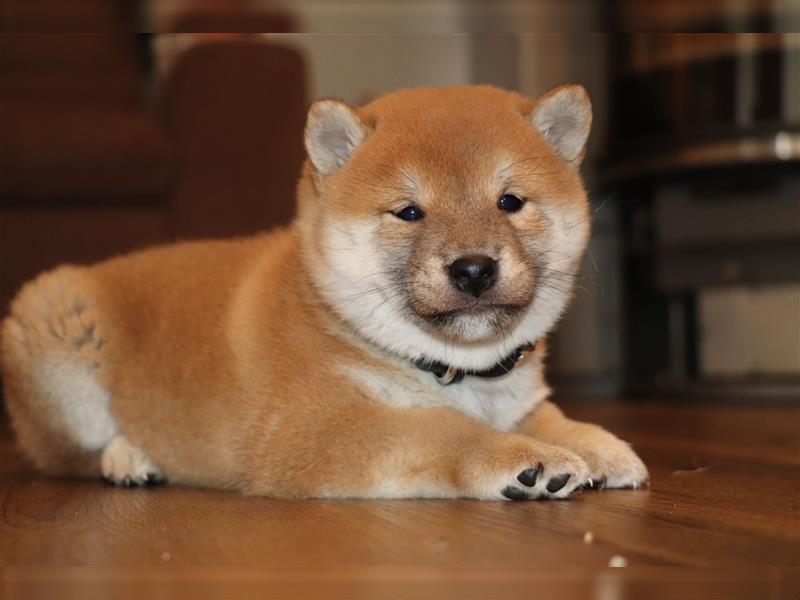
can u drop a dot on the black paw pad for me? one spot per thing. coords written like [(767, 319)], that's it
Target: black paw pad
[(557, 482), (513, 493), (528, 476)]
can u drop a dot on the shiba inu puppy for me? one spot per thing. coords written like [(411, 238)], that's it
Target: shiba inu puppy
[(389, 343)]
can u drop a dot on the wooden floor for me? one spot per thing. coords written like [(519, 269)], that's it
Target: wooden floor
[(725, 492)]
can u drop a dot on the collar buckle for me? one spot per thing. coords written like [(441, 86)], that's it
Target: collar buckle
[(447, 375)]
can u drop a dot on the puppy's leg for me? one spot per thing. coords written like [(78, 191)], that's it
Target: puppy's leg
[(51, 347), (611, 461), (373, 451)]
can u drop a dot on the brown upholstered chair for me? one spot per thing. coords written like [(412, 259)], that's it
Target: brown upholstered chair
[(87, 170)]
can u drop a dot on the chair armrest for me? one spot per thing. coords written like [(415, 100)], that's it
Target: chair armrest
[(235, 112)]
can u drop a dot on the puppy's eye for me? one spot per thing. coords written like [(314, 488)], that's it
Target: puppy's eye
[(510, 203), (410, 213)]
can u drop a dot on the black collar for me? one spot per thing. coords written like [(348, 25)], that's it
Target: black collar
[(445, 374)]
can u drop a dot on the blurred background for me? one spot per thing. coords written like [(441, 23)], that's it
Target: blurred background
[(112, 140)]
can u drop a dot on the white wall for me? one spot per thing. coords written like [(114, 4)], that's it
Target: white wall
[(750, 330), (356, 68)]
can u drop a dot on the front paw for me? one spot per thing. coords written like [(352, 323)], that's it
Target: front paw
[(612, 462), (122, 463), (514, 467)]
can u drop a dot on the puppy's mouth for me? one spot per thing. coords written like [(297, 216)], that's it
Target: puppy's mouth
[(493, 311)]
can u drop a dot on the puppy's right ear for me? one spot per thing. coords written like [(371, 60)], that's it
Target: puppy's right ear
[(333, 132)]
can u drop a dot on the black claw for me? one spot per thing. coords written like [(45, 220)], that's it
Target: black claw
[(528, 476), (513, 493), (595, 484), (557, 482), (153, 479), (108, 480)]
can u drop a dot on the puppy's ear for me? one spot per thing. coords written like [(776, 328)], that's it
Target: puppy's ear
[(333, 131), (564, 117)]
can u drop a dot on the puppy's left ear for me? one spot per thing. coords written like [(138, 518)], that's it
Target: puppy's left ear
[(564, 117), (333, 132)]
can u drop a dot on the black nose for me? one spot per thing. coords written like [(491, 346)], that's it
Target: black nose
[(473, 274)]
